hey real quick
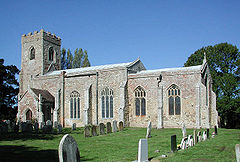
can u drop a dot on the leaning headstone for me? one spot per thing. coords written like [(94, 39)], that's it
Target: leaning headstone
[(114, 128), (59, 128), (74, 126), (190, 141), (120, 126), (87, 131), (68, 150), (237, 150), (3, 128), (194, 137), (36, 126), (149, 128), (184, 143), (109, 128), (184, 131), (173, 143), (102, 129), (142, 150), (204, 136), (94, 130), (216, 131)]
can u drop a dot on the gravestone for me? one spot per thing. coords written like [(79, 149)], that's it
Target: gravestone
[(114, 128), (216, 131), (190, 141), (3, 128), (16, 128), (199, 137), (195, 137), (36, 126), (48, 127), (41, 125), (59, 128), (120, 126), (109, 128), (68, 150), (87, 131), (149, 128), (184, 131), (8, 122), (237, 150), (184, 143), (142, 150), (94, 130), (204, 136), (102, 129), (173, 143), (55, 124), (27, 127), (207, 133), (74, 126)]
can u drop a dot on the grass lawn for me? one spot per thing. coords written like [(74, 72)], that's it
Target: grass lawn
[(120, 146)]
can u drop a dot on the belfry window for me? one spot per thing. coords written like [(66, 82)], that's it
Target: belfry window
[(140, 101), (107, 103), (50, 54), (174, 100), (32, 53), (74, 105)]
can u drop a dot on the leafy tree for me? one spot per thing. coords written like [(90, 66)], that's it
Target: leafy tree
[(63, 59), (69, 59), (80, 59), (8, 91), (224, 63)]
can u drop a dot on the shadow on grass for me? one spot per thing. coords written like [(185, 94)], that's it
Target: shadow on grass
[(24, 137), (29, 154)]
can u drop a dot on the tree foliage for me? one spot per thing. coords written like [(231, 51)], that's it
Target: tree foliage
[(8, 91), (78, 60), (224, 64)]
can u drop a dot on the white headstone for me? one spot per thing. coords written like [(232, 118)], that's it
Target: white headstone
[(68, 150), (149, 130), (237, 149), (184, 143), (143, 150), (114, 128), (184, 131), (204, 136)]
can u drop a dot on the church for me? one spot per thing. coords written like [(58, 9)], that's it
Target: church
[(126, 92)]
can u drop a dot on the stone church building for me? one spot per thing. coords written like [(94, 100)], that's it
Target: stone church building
[(124, 92)]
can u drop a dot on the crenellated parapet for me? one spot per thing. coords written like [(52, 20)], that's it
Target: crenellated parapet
[(36, 35)]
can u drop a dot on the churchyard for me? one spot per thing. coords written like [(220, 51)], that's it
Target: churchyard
[(118, 146)]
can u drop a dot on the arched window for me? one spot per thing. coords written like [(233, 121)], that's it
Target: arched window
[(50, 54), (32, 53), (29, 115), (140, 101), (107, 103), (74, 105), (174, 100)]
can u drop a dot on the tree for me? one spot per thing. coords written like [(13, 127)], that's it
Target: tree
[(8, 91), (63, 59), (224, 63), (80, 59)]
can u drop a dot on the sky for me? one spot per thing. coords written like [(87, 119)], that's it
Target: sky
[(162, 33)]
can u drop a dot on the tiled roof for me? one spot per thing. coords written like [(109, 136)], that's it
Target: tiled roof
[(45, 94)]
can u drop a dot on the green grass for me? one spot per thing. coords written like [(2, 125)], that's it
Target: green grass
[(120, 146)]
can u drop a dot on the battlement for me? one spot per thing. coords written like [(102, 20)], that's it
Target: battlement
[(48, 36)]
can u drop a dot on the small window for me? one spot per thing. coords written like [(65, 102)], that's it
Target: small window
[(107, 103), (50, 54), (75, 105), (32, 53), (174, 100), (140, 101)]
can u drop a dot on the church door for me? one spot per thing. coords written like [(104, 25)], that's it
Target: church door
[(29, 115)]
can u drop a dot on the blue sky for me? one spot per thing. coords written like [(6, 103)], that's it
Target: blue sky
[(162, 33)]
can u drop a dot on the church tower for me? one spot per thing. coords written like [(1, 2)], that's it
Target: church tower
[(41, 53)]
